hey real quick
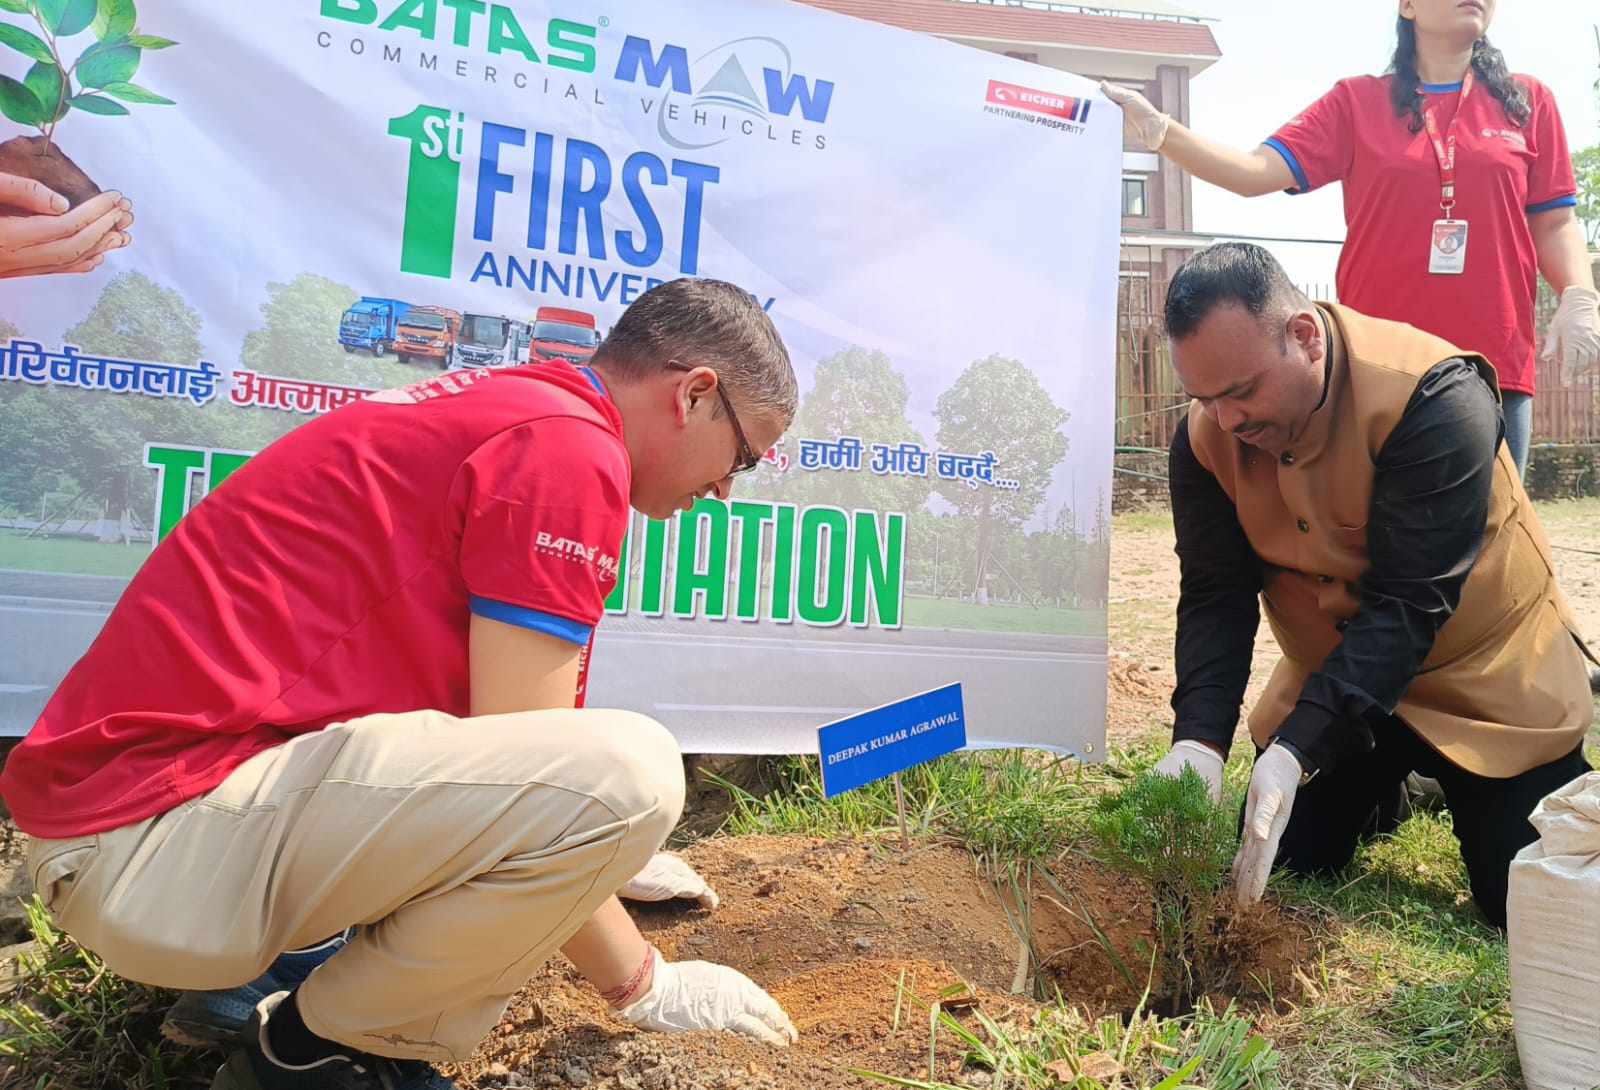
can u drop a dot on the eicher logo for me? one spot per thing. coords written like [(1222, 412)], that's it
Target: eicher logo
[(747, 87), (1039, 102)]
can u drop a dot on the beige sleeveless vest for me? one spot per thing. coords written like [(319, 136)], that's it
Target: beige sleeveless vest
[(1505, 688)]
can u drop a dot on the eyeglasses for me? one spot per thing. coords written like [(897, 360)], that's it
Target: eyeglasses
[(747, 459)]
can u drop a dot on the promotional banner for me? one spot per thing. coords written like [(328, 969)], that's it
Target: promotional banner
[(334, 197)]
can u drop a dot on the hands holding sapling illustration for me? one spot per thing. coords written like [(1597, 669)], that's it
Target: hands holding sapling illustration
[(40, 234)]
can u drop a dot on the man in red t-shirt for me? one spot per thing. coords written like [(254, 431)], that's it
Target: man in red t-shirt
[(346, 691)]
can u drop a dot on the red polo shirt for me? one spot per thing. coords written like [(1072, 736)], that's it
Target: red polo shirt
[(1391, 199), (333, 577)]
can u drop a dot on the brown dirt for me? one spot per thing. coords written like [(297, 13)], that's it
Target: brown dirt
[(795, 904), (22, 156), (16, 888), (1573, 527), (1143, 595), (1141, 621), (832, 929), (829, 929), (1257, 950)]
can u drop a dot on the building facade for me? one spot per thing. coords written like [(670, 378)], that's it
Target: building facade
[(1155, 47)]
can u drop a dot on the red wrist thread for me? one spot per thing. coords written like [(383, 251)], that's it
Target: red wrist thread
[(623, 993)]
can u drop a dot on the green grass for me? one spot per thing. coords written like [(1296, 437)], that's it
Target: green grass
[(1047, 620), (1058, 1048), (78, 1027), (69, 555), (1409, 989), (1406, 990), (1415, 991), (1008, 807), (1577, 514), (1155, 518)]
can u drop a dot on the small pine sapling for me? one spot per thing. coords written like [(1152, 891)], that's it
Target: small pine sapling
[(1169, 834)]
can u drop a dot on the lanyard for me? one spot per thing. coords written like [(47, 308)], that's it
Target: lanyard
[(1444, 147)]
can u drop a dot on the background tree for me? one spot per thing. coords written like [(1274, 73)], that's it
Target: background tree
[(299, 338), (1055, 555), (855, 392), (90, 443), (1586, 164), (939, 555), (1093, 567), (999, 405)]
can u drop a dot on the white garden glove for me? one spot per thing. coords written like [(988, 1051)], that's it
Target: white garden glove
[(1574, 337), (688, 995), (1206, 762), (668, 878), (1140, 119), (1273, 784)]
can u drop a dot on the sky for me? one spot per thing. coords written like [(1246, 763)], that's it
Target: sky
[(1279, 57)]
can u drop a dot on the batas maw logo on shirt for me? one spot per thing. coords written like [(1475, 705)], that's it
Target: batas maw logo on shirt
[(453, 382), (1510, 136), (568, 549)]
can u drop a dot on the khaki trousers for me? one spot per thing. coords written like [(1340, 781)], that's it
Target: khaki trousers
[(468, 850)]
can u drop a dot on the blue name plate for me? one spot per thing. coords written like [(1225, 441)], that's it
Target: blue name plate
[(886, 740)]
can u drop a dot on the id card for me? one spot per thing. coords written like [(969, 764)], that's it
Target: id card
[(1448, 252)]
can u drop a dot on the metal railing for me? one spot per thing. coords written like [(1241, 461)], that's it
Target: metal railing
[(1149, 398), (1562, 413)]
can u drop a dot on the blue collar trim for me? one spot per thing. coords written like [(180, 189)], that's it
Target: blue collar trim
[(594, 380)]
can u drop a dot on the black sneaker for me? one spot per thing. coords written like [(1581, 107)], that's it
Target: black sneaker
[(253, 1067)]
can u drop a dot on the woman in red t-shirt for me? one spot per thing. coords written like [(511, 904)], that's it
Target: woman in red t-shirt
[(1458, 192)]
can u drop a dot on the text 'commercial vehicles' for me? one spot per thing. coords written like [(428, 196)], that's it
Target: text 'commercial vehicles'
[(373, 323), (428, 333)]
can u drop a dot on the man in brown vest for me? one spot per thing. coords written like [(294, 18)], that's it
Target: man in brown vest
[(1350, 473)]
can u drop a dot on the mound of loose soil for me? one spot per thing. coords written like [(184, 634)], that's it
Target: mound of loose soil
[(1257, 950), (837, 932)]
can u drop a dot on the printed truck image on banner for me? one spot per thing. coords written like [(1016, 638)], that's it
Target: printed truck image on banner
[(392, 191)]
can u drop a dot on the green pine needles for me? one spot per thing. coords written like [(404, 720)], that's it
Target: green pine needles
[(1168, 833)]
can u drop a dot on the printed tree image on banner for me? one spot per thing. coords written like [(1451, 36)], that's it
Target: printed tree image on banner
[(858, 393), (998, 405)]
